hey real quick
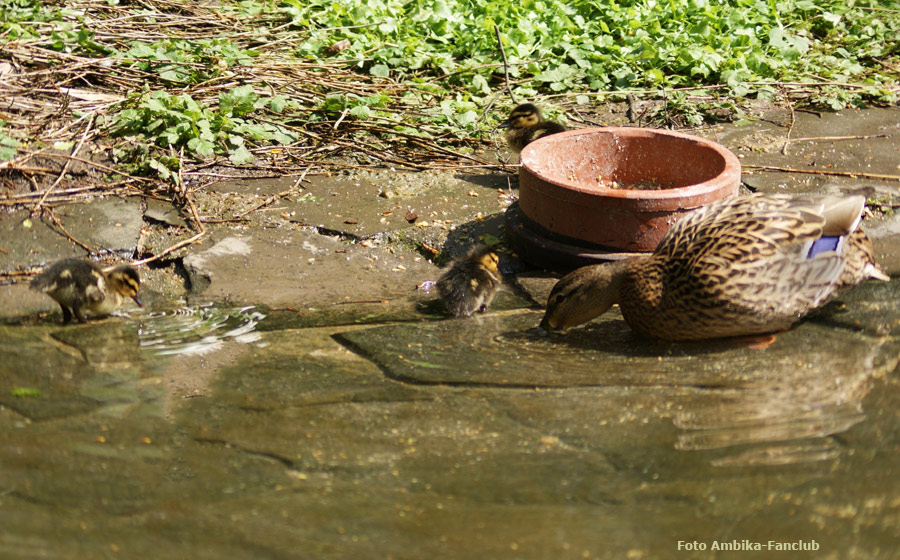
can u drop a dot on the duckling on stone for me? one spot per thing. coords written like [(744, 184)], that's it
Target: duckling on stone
[(526, 124), (79, 286), (470, 282), (745, 266)]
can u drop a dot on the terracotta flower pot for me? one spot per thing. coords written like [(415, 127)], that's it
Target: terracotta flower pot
[(561, 184)]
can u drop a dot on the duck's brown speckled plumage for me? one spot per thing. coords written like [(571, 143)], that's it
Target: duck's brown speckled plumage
[(526, 124), (737, 267)]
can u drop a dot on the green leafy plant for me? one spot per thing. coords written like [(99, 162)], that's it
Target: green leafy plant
[(439, 64), (184, 61), (180, 122), (596, 45)]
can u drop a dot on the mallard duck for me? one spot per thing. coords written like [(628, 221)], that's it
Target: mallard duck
[(744, 266), (526, 124), (470, 282), (78, 286)]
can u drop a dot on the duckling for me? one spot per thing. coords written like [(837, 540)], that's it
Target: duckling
[(79, 286), (526, 124), (745, 266), (470, 282)]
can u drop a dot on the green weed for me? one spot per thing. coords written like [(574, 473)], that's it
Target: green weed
[(442, 60), (181, 123)]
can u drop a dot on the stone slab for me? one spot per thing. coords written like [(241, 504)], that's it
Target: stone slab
[(110, 226), (28, 242), (307, 271), (371, 203), (441, 439), (885, 236), (868, 143), (603, 353), (299, 268)]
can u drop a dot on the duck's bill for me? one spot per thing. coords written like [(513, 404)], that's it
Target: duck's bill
[(548, 328), (137, 300)]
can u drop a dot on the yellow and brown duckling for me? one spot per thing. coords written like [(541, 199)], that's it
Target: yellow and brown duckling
[(526, 124), (745, 266), (470, 282), (79, 286)]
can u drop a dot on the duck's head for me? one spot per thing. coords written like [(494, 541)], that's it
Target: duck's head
[(483, 256), (582, 295), (489, 260), (124, 280), (523, 116)]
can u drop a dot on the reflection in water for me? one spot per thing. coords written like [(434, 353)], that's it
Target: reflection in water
[(786, 419), (777, 406), (530, 339), (197, 331), (823, 450), (734, 405)]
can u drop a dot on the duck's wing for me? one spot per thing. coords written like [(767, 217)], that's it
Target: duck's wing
[(753, 254), (779, 286), (778, 219)]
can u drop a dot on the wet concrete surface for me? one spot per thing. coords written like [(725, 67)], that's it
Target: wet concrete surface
[(292, 391), (278, 268)]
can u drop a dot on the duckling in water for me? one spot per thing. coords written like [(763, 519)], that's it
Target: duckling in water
[(470, 282), (526, 124), (79, 286), (745, 266)]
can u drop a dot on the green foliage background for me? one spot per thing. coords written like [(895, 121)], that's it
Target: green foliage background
[(600, 45), (444, 56)]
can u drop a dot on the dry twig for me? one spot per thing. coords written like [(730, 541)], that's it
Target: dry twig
[(512, 95), (49, 212), (65, 168), (853, 174)]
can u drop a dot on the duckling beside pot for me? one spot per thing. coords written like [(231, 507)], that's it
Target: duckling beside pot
[(526, 124), (470, 282)]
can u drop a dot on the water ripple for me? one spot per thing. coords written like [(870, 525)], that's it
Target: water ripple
[(197, 331)]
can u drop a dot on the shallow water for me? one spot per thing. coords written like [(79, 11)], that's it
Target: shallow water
[(212, 429), (197, 330)]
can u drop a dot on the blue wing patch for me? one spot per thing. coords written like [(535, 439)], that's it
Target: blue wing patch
[(823, 244)]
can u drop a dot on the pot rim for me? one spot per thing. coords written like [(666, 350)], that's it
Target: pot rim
[(730, 173)]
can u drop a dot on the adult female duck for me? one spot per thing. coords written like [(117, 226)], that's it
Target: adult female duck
[(747, 265)]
